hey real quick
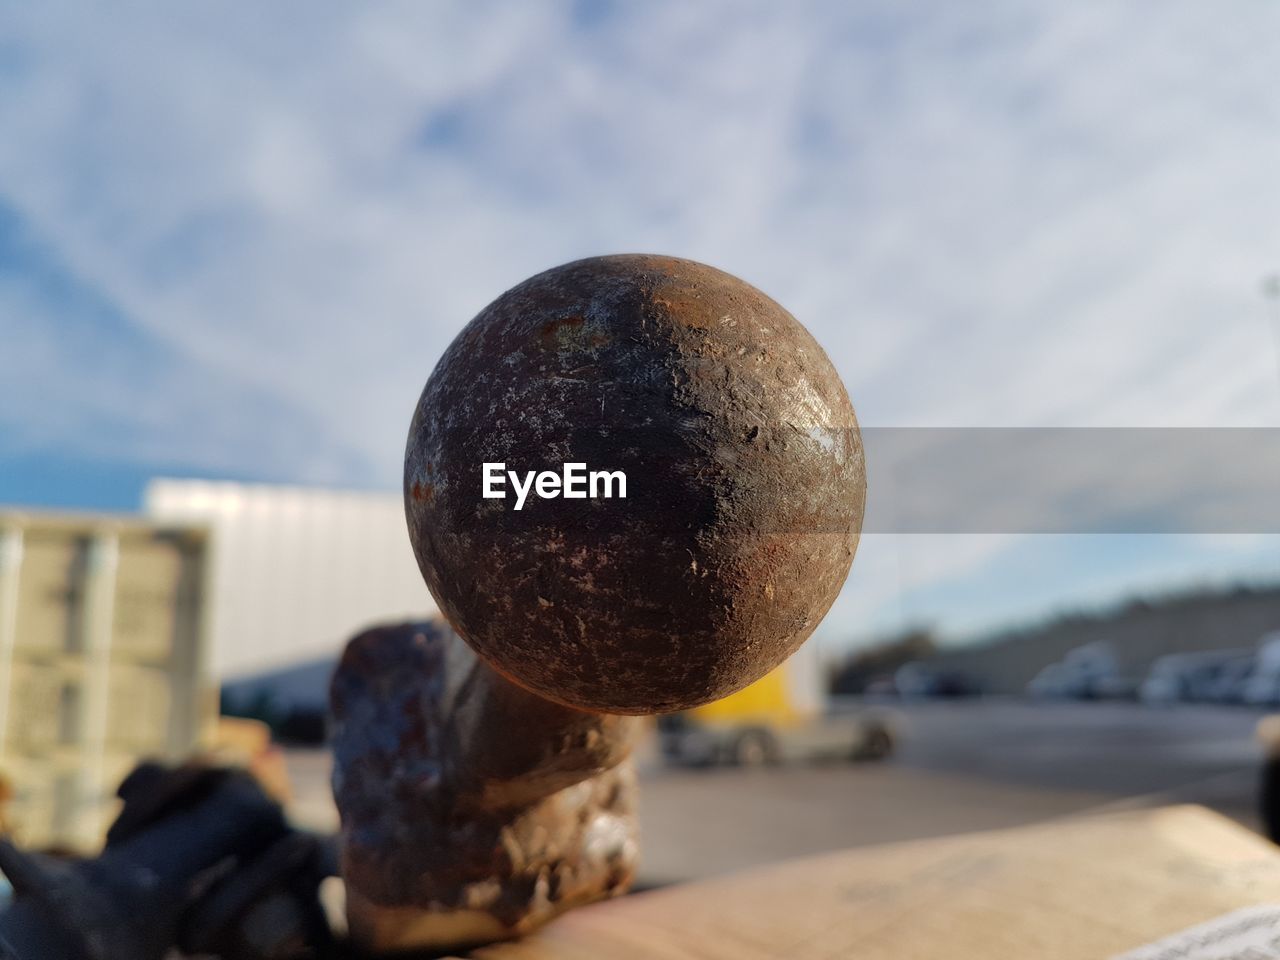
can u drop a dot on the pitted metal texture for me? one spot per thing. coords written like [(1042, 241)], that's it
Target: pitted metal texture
[(745, 484)]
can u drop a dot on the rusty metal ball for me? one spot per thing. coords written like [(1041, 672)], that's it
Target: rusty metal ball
[(745, 484)]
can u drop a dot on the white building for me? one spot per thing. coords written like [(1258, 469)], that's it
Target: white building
[(296, 571)]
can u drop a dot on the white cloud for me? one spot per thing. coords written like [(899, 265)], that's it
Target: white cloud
[(1020, 214)]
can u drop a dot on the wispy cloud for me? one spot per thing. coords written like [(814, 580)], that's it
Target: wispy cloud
[(277, 216)]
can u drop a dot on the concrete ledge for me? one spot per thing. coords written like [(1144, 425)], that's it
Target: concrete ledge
[(1073, 889)]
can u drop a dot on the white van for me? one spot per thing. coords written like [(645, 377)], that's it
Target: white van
[(1089, 672), (1262, 689), (1188, 677)]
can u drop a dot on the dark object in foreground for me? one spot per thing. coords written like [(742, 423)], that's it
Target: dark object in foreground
[(1269, 798), (1268, 734), (200, 859)]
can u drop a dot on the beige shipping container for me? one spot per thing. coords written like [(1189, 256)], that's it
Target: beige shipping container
[(103, 662)]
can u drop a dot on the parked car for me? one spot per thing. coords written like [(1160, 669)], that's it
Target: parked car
[(688, 741), (918, 680), (1229, 685), (776, 719), (1262, 689), (1189, 677), (1050, 683), (1089, 672)]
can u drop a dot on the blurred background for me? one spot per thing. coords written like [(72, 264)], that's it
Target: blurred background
[(234, 242)]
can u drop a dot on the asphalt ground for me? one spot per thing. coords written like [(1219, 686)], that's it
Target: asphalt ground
[(960, 766)]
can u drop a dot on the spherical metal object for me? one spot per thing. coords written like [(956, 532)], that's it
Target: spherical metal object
[(744, 484)]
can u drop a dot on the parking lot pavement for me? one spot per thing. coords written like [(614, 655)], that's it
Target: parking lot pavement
[(1117, 749), (961, 766), (701, 823)]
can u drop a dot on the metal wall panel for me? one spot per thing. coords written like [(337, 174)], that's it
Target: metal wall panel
[(297, 571), (53, 568), (149, 579), (44, 701)]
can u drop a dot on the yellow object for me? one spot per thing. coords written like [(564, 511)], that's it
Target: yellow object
[(767, 702)]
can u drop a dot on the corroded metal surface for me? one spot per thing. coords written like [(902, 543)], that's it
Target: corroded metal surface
[(745, 484), (472, 811)]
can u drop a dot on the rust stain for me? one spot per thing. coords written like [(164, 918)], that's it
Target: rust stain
[(572, 332), (442, 826), (553, 327)]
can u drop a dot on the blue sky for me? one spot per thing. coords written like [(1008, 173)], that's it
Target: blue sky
[(233, 242)]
